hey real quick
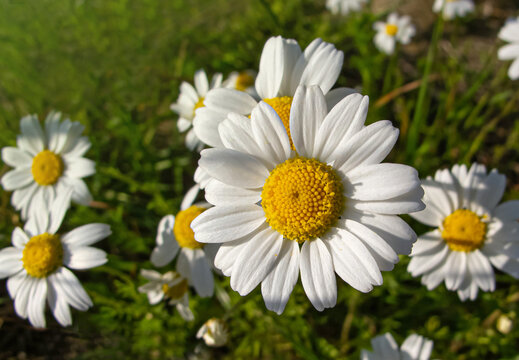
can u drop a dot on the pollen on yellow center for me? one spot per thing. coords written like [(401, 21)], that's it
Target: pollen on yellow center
[(42, 255), (302, 198), (281, 106), (391, 29), (463, 230), (47, 167), (176, 291), (244, 81), (182, 228)]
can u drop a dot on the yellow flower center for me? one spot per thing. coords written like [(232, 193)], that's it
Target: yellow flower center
[(47, 168), (464, 231), (302, 198), (42, 255), (199, 104), (281, 106), (182, 228), (391, 29), (244, 81), (176, 291)]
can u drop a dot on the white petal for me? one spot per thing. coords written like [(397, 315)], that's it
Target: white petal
[(306, 116), (23, 293), (67, 285), (16, 179), (228, 254), (15, 157), (218, 193), (508, 211), (481, 270), (508, 52), (15, 282), (333, 97), (32, 131), (455, 269), (84, 257), (10, 261), (79, 168), (403, 204), (201, 275), (270, 74), (236, 134), (19, 238), (227, 223), (78, 149), (513, 70), (317, 274), (428, 243), (234, 168), (256, 261), (416, 347), (386, 346), (422, 264), (86, 235), (491, 191), (278, 285), (81, 195), (36, 306), (190, 197), (58, 210), (167, 245), (58, 305), (201, 82)]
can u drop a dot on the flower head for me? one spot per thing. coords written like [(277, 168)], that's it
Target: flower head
[(37, 264), (510, 33), (415, 347), (451, 9), (327, 206), (190, 99), (344, 7), (472, 231), (214, 332), (47, 162), (242, 81), (396, 29)]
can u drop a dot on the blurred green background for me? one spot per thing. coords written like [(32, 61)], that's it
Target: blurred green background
[(116, 66)]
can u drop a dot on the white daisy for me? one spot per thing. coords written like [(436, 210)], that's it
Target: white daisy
[(344, 7), (415, 347), (283, 67), (37, 264), (190, 99), (194, 258), (510, 33), (171, 287), (319, 185), (472, 231), (242, 81), (47, 162), (395, 29), (453, 8), (214, 332)]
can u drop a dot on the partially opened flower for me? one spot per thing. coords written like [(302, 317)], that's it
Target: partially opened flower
[(190, 99), (344, 7), (415, 347), (175, 237), (242, 81), (396, 29), (451, 9), (283, 67), (472, 232), (310, 198), (37, 264), (510, 33), (214, 332), (171, 287), (47, 162)]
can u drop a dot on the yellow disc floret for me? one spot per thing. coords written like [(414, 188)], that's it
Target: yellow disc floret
[(463, 230), (42, 255), (47, 167), (175, 291), (282, 107), (391, 29), (244, 81), (199, 104), (302, 198), (182, 228)]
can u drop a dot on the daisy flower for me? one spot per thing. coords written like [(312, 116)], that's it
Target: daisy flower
[(311, 198), (242, 81), (214, 332), (47, 162), (171, 287), (37, 264), (190, 99), (175, 237), (510, 33), (344, 7), (415, 347), (283, 67), (472, 231), (453, 8), (395, 29)]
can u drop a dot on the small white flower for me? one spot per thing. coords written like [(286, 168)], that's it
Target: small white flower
[(453, 8), (344, 7), (395, 29), (214, 332), (472, 231), (47, 162), (36, 264), (283, 67), (510, 33), (194, 258), (504, 324), (415, 347), (171, 287), (242, 81), (190, 99), (311, 198)]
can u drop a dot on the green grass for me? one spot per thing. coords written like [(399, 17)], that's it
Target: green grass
[(115, 66)]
